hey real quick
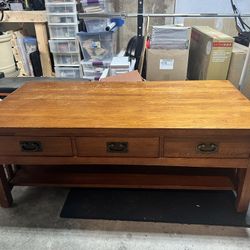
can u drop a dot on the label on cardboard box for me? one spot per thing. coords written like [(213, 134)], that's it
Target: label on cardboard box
[(166, 64), (220, 56)]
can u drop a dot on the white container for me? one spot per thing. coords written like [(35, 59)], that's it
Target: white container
[(62, 31), (66, 59), (61, 8), (62, 18), (7, 63), (94, 25), (97, 46), (68, 72), (64, 46)]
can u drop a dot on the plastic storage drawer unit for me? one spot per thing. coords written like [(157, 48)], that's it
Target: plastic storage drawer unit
[(63, 46), (61, 8), (67, 59), (68, 72), (97, 46), (63, 31)]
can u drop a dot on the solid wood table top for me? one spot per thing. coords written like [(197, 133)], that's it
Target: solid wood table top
[(149, 105)]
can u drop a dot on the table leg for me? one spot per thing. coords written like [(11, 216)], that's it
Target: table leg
[(9, 171), (5, 191), (243, 192)]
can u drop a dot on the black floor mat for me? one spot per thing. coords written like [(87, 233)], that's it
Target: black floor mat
[(171, 206)]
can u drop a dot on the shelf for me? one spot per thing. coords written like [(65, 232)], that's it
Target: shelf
[(81, 176), (25, 17)]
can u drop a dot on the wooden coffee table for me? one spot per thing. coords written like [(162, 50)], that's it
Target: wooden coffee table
[(178, 135)]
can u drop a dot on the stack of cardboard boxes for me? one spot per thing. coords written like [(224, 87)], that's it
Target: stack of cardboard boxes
[(213, 55), (167, 58)]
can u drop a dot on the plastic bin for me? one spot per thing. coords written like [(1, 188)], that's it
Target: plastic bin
[(68, 72), (97, 46), (64, 46), (92, 65), (94, 25), (93, 6), (91, 73), (62, 31), (61, 8), (66, 59), (62, 18)]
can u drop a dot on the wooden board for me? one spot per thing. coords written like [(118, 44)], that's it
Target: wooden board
[(149, 105), (25, 16)]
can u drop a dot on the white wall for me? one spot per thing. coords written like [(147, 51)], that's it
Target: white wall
[(210, 6)]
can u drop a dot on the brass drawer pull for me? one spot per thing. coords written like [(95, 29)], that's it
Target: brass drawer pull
[(117, 147), (207, 148), (31, 146)]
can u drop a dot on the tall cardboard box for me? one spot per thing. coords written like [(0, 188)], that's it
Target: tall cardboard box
[(166, 65), (236, 65), (210, 54)]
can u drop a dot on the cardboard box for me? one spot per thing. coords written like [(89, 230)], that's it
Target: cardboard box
[(166, 65), (133, 76), (224, 25), (210, 54), (236, 65)]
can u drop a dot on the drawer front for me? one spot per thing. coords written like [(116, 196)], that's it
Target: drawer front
[(35, 146), (206, 147), (117, 147)]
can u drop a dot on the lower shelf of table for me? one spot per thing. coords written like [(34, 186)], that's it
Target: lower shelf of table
[(125, 177)]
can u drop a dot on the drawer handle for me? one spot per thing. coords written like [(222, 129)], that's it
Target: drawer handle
[(117, 147), (31, 146), (207, 148)]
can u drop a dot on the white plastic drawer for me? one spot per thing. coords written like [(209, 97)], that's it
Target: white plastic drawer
[(64, 46), (67, 59), (62, 18), (63, 31), (61, 8), (68, 72)]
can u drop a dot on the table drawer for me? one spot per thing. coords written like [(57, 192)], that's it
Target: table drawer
[(35, 146), (117, 147), (207, 147)]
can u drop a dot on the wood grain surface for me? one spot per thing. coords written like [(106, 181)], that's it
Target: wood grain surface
[(149, 105)]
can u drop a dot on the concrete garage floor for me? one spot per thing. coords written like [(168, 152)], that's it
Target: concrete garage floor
[(33, 223)]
